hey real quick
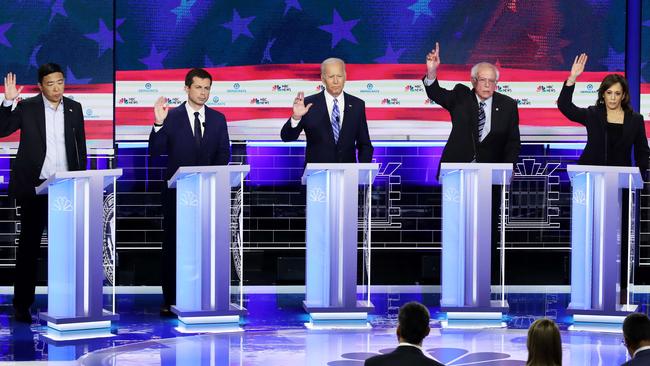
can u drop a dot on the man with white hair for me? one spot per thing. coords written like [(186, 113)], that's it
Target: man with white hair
[(334, 121), (484, 123)]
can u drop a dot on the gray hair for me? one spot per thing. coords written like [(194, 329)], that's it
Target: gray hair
[(331, 60), (474, 72)]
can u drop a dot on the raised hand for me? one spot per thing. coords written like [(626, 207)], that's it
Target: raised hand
[(433, 61), (577, 68), (11, 92), (161, 109), (299, 108)]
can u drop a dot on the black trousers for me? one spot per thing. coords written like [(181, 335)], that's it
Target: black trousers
[(33, 219), (168, 260)]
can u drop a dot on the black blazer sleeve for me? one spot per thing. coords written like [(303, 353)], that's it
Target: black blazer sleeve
[(223, 150), (80, 138), (158, 140), (289, 133), (364, 146), (10, 121), (443, 97), (568, 109), (641, 150), (513, 144)]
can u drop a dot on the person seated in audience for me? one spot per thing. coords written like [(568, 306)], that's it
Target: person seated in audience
[(544, 344), (412, 328), (636, 335)]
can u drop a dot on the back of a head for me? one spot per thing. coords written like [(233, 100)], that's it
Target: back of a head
[(544, 344), (413, 322), (636, 329)]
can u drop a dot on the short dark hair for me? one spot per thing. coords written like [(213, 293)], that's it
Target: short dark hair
[(413, 322), (636, 328), (544, 343), (199, 73), (607, 83), (48, 68)]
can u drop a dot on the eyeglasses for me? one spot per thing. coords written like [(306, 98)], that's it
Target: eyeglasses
[(485, 81)]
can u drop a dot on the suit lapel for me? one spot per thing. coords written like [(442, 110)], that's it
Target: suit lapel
[(628, 129), (40, 114), (325, 120)]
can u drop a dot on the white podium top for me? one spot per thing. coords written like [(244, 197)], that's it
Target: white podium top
[(234, 170), (497, 170), (74, 174), (367, 171), (623, 173)]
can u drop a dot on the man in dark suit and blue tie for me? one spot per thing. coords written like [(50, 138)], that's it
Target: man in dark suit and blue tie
[(190, 135), (334, 121)]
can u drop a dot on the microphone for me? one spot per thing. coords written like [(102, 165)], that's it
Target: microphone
[(76, 148), (474, 145), (337, 120), (203, 124)]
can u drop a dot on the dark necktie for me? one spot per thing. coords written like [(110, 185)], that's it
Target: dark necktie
[(481, 119), (336, 116), (197, 130)]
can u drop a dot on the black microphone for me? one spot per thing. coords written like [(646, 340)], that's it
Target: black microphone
[(337, 120), (474, 145), (203, 124)]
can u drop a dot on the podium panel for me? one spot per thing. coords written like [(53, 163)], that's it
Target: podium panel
[(75, 243), (331, 237), (466, 242), (203, 244), (596, 243)]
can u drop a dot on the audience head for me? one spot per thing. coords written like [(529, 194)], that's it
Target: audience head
[(636, 332), (413, 324), (544, 344)]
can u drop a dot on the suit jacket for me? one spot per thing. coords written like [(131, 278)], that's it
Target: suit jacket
[(176, 140), (29, 118), (642, 359), (501, 145), (321, 147), (595, 119), (402, 355)]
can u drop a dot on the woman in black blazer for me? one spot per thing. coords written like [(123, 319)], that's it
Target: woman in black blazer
[(613, 128)]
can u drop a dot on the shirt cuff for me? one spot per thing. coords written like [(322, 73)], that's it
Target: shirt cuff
[(428, 81), (294, 122), (7, 103), (156, 128)]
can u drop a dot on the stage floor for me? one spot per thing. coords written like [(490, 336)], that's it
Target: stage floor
[(274, 335)]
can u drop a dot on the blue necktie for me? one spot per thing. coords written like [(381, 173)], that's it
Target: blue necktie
[(336, 116), (481, 119)]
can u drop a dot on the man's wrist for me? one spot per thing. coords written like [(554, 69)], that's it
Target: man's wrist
[(157, 124)]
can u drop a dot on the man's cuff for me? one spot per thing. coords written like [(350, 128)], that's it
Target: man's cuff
[(156, 128), (7, 103), (428, 81), (294, 122)]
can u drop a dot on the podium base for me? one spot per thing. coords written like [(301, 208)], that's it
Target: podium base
[(351, 317), (203, 318), (600, 320), (77, 323), (466, 317)]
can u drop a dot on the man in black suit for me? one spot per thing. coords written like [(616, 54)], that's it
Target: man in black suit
[(52, 139), (190, 135), (413, 327), (636, 333), (334, 121), (484, 123)]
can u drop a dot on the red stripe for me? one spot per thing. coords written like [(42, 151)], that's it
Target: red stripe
[(95, 130), (72, 89), (645, 88), (354, 72)]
